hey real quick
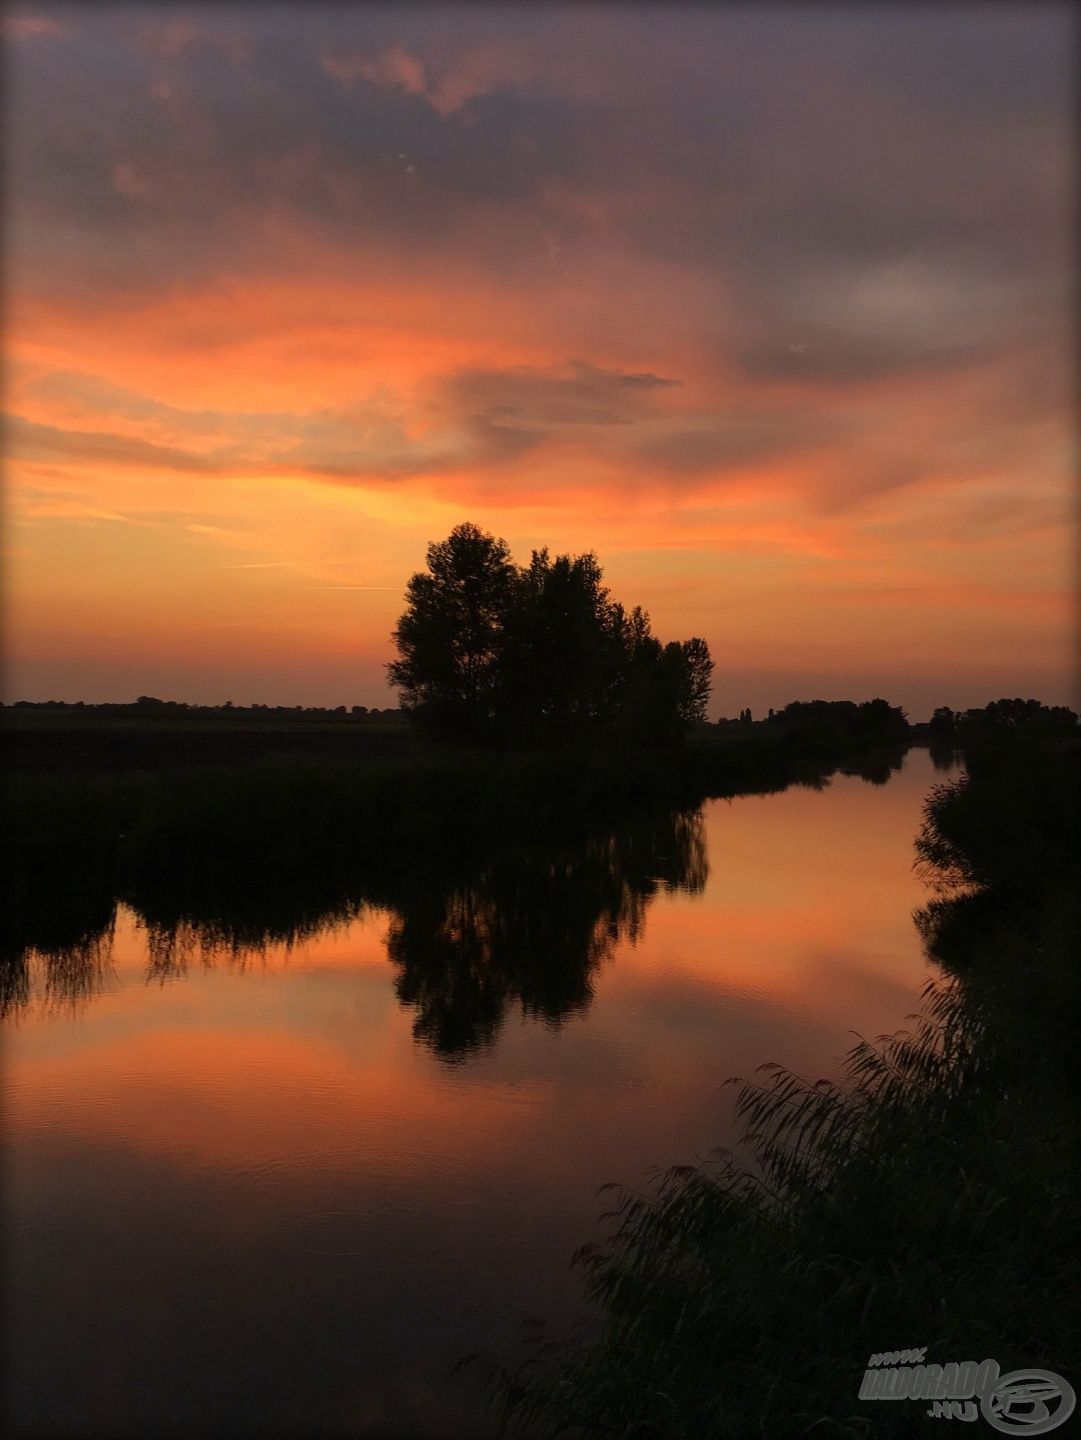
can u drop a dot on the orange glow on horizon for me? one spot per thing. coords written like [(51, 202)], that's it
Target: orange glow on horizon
[(851, 476)]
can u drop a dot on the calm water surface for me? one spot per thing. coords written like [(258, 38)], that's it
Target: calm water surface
[(283, 1189)]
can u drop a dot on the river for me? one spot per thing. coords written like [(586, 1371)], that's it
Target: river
[(282, 1187)]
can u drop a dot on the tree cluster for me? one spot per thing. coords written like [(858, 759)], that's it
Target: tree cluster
[(999, 717), (871, 721), (537, 654)]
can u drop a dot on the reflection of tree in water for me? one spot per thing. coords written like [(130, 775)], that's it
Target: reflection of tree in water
[(177, 940), (63, 977), (470, 936), (532, 928), (944, 756), (877, 767), (58, 926)]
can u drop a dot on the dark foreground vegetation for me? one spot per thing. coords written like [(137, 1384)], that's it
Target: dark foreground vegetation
[(929, 1201)]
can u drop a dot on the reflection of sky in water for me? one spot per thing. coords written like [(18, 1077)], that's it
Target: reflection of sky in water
[(247, 1196)]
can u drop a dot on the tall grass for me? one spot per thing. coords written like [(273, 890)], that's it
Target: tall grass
[(928, 1200)]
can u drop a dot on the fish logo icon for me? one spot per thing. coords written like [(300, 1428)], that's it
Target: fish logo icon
[(1028, 1402)]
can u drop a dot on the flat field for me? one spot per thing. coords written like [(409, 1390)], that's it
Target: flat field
[(61, 742)]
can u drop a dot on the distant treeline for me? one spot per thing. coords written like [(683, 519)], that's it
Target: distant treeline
[(965, 727), (832, 722), (871, 721), (878, 721), (149, 707)]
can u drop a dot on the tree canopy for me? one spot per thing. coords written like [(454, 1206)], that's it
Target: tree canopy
[(841, 721), (541, 653), (1002, 716)]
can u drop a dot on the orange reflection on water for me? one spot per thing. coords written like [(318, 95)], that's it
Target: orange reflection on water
[(240, 1058), (196, 1131), (792, 900)]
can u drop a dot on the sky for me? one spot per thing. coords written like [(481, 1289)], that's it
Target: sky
[(772, 308)]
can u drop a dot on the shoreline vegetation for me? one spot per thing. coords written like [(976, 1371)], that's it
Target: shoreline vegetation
[(929, 1200)]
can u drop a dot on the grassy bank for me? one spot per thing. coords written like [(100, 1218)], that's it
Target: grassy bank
[(81, 743), (929, 1201)]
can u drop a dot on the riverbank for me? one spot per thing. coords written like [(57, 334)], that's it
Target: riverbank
[(109, 740), (927, 1202)]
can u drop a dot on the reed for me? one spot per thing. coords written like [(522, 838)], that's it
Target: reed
[(929, 1199)]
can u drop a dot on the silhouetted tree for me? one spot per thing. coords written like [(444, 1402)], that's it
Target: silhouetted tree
[(560, 654), (1017, 715), (538, 654), (673, 691), (943, 723), (696, 680), (879, 720), (836, 722), (450, 635), (637, 654)]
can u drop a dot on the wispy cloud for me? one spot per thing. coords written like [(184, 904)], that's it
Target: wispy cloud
[(30, 27), (446, 84)]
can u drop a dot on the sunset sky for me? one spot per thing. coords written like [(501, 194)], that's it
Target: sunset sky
[(773, 308)]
